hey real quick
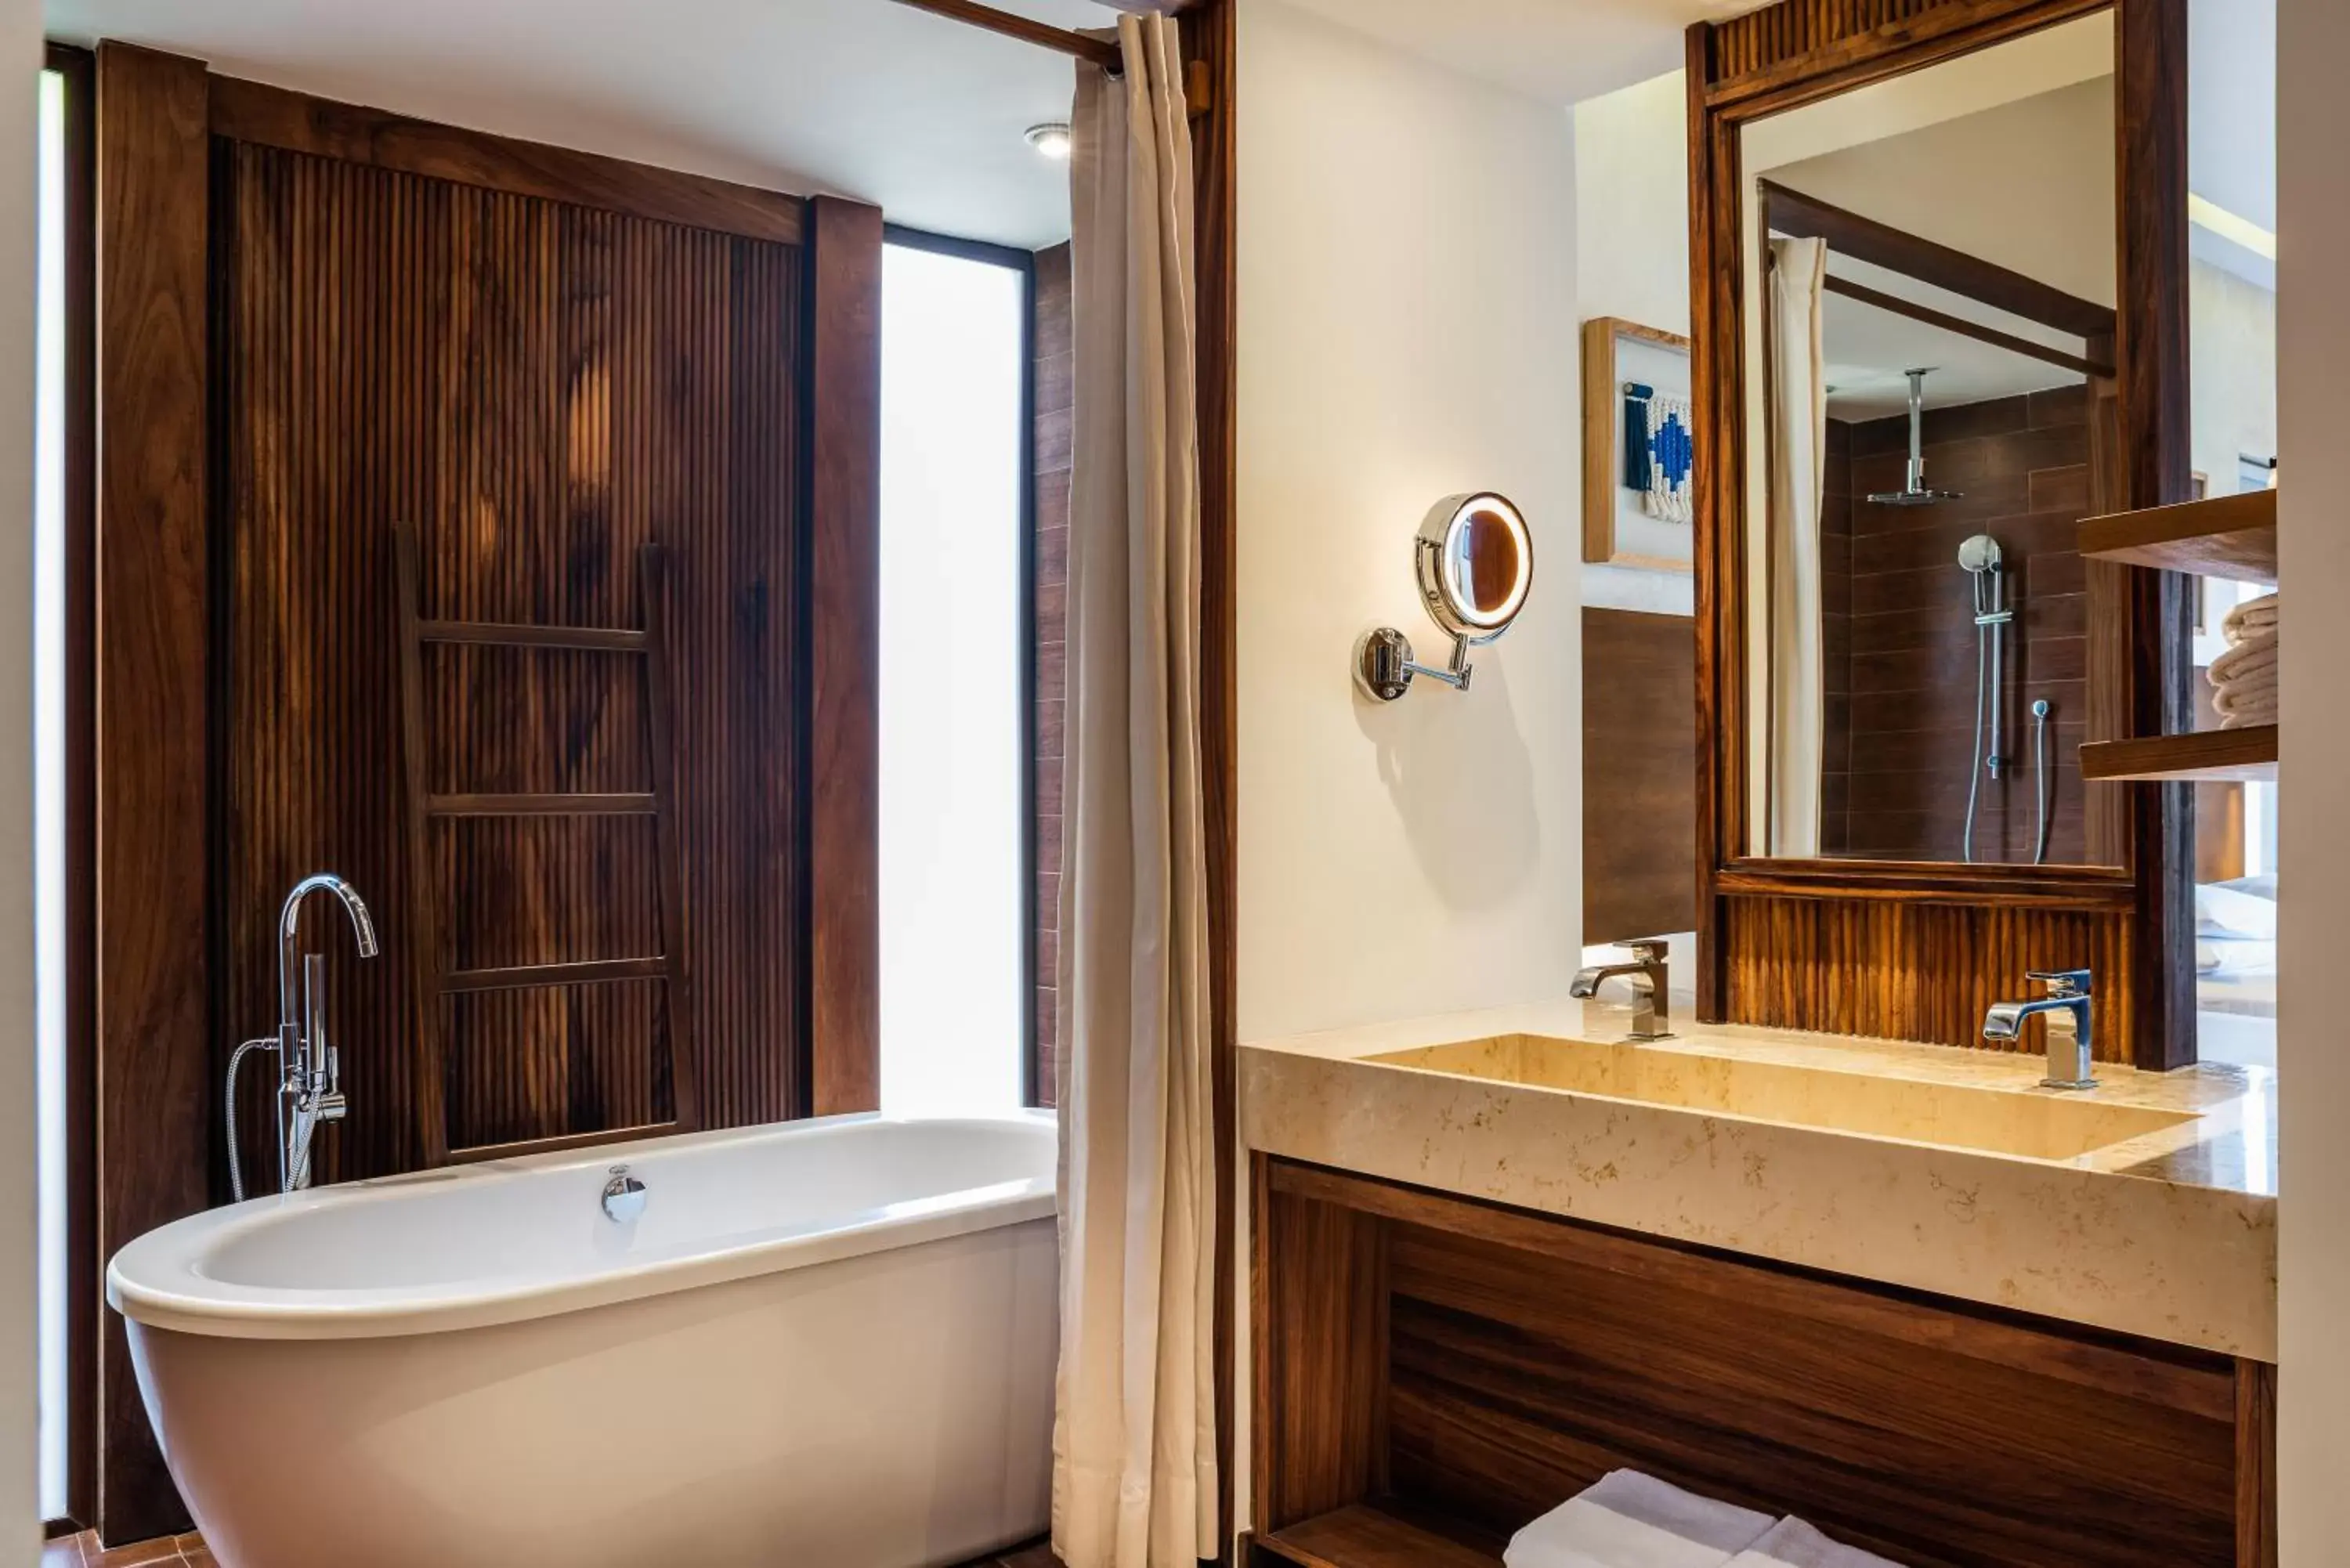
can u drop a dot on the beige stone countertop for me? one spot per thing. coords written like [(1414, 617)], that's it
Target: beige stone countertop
[(2146, 1205)]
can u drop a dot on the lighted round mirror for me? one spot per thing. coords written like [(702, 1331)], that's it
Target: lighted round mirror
[(1476, 563)]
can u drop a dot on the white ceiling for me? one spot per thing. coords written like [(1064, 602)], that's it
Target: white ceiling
[(2231, 110), (862, 97), (1557, 50)]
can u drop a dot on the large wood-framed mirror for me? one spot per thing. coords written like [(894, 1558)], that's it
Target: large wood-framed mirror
[(1900, 648)]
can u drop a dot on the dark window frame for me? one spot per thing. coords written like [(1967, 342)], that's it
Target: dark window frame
[(78, 67)]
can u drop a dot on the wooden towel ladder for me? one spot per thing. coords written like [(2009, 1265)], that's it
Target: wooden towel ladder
[(432, 982)]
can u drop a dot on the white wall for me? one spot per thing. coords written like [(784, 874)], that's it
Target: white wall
[(2233, 350), (1631, 249), (20, 63), (1408, 329), (2313, 1062), (1631, 203), (2028, 183)]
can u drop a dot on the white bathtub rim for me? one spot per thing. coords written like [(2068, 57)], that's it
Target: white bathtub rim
[(156, 1281)]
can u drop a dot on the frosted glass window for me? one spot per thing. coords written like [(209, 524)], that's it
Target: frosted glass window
[(954, 863)]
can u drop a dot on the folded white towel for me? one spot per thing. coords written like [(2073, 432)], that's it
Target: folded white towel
[(2252, 615), (2250, 697), (2254, 654), (1792, 1543), (1634, 1520)]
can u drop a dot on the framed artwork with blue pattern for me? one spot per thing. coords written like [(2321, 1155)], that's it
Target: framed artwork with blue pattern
[(1639, 453)]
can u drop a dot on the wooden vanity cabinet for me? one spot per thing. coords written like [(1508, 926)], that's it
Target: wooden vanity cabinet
[(1433, 1372)]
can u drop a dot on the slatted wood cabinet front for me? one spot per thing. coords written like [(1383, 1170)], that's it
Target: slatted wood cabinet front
[(1432, 1373)]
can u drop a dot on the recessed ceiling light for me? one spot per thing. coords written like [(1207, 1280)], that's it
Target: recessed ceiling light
[(1051, 138)]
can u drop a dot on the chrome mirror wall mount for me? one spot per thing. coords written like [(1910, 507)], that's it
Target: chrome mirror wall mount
[(1474, 561)]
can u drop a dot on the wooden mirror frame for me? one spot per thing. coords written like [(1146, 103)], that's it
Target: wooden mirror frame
[(1917, 949)]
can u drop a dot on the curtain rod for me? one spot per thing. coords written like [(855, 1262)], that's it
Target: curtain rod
[(1100, 51)]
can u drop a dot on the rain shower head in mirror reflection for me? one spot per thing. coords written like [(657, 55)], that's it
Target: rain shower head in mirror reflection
[(1929, 286)]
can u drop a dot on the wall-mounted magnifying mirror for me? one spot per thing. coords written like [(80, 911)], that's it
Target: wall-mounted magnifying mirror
[(1475, 562)]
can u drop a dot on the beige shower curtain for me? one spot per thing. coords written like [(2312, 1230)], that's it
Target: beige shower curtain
[(1799, 414), (1133, 1455)]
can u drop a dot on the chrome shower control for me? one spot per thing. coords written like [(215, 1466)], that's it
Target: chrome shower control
[(624, 1197)]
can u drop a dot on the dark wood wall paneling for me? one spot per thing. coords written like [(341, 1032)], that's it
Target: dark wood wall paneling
[(1056, 373), (1844, 945), (1465, 1366), (1933, 968), (541, 388), (1901, 674), (320, 320), (156, 937), (838, 745), (1836, 640), (1639, 775)]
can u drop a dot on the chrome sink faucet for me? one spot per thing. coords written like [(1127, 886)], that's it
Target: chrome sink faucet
[(1651, 993), (2069, 1055), (309, 1073)]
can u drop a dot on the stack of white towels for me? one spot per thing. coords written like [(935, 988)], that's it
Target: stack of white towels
[(2244, 679), (1635, 1521)]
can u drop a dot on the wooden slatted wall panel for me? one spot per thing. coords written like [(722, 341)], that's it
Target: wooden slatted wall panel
[(1915, 971), (1761, 39), (540, 388), (1800, 35)]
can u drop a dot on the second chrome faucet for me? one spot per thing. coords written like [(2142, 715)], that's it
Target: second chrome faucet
[(2068, 1006), (1651, 990)]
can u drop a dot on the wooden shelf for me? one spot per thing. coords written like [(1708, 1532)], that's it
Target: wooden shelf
[(2204, 755), (1359, 1536), (2224, 536)]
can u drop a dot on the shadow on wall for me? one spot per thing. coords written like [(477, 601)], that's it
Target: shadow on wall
[(1456, 766)]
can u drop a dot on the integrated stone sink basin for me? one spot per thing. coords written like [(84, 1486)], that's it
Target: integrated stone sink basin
[(2036, 1124)]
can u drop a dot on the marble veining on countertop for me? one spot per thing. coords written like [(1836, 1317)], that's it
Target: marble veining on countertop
[(2146, 1205)]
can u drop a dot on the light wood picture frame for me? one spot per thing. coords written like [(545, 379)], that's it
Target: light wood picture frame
[(1604, 339)]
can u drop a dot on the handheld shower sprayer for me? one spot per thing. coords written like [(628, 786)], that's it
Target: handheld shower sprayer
[(2041, 775), (1982, 560)]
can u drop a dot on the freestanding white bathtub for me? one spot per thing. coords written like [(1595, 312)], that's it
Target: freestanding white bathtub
[(822, 1345)]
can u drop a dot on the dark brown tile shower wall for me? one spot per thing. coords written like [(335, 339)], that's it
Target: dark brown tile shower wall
[(2021, 465), (1055, 399), (1836, 640)]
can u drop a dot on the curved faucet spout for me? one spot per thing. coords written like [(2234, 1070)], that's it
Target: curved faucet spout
[(289, 921), (309, 1086), (362, 923)]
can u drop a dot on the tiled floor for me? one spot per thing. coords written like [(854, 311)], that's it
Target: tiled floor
[(188, 1552), (84, 1551)]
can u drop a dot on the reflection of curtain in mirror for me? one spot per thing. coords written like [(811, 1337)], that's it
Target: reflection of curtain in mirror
[(1799, 415)]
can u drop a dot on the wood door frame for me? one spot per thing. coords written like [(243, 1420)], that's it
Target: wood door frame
[(1211, 48), (1793, 54)]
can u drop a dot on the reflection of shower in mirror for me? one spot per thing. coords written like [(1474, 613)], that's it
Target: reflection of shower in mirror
[(1980, 556), (1915, 492), (2040, 763)]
